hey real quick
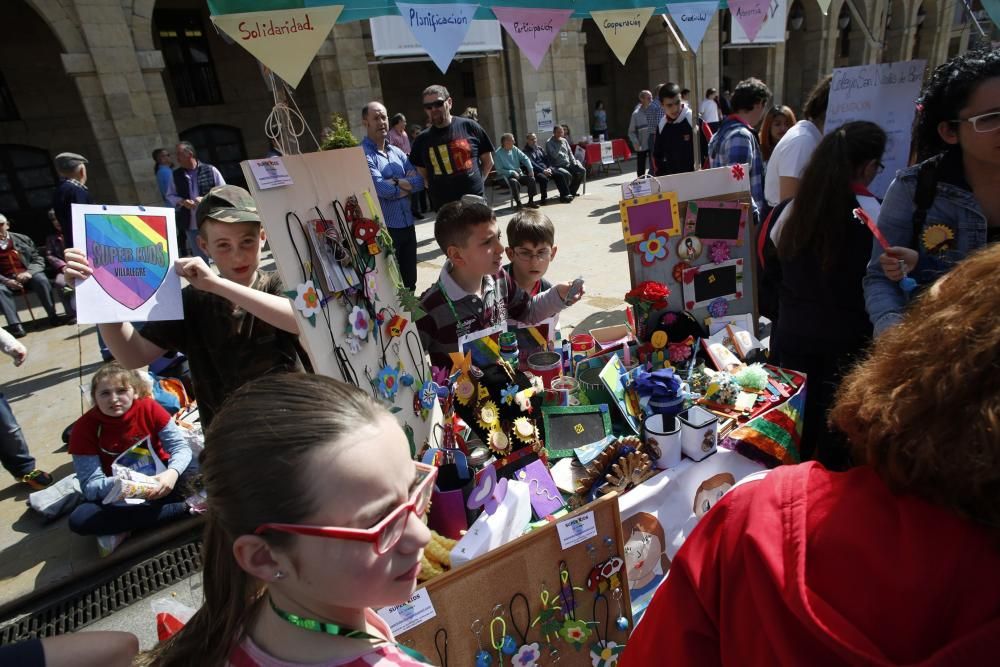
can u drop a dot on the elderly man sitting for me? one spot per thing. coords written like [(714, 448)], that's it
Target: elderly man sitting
[(560, 155), (22, 267)]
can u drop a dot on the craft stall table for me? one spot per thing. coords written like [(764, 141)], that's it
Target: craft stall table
[(592, 154)]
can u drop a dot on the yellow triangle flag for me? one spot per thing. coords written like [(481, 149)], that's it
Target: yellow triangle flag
[(285, 40), (622, 28), (824, 6)]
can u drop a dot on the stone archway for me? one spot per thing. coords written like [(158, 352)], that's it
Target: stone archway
[(802, 52), (64, 26)]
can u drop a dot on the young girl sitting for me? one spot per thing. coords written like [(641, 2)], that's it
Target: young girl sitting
[(125, 414), (314, 519)]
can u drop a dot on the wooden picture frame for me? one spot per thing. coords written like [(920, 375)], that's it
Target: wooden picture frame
[(705, 283), (585, 428), (716, 221), (644, 215)]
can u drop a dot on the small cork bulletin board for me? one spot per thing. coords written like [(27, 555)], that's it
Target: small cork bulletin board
[(529, 565)]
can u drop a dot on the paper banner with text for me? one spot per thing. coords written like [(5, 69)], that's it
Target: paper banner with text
[(622, 28), (824, 6), (772, 30), (285, 40), (132, 250), (693, 18), (532, 29), (440, 29), (750, 14)]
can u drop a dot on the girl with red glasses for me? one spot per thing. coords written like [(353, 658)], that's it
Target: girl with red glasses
[(315, 518)]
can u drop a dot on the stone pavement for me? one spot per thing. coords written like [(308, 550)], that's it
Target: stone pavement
[(45, 393)]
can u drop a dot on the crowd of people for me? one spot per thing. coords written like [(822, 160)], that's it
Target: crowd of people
[(842, 555)]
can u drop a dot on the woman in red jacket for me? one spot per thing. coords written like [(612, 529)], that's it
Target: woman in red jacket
[(896, 561)]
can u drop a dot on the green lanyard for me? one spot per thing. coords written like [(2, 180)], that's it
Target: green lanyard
[(478, 320), (338, 631)]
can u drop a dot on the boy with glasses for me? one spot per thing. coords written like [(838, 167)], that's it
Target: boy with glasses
[(531, 238)]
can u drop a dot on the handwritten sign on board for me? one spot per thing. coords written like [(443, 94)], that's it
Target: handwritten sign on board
[(883, 94)]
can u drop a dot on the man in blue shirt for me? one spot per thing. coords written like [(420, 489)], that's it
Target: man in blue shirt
[(72, 189), (395, 179), (164, 168)]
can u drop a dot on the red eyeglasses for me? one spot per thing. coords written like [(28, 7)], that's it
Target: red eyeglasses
[(386, 533)]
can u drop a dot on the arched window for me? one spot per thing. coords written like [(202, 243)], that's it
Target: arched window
[(220, 146), (27, 183)]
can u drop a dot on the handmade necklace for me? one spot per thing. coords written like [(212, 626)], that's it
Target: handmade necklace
[(314, 625)]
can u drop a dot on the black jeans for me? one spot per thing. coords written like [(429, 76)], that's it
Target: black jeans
[(561, 178), (405, 242), (640, 162), (515, 183), (576, 173)]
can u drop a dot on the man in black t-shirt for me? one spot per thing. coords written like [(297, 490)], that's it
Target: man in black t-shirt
[(454, 155)]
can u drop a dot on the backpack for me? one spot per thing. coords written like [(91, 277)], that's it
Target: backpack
[(169, 393)]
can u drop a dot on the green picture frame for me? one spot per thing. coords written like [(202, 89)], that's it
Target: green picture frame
[(553, 417)]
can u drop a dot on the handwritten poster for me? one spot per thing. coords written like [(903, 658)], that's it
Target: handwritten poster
[(883, 94), (532, 29), (622, 28), (543, 114), (285, 40), (440, 29), (750, 16), (132, 252), (607, 153), (692, 18), (772, 29)]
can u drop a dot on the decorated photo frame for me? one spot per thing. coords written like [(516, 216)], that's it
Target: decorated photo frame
[(717, 221), (613, 376), (572, 426), (709, 282), (644, 215)]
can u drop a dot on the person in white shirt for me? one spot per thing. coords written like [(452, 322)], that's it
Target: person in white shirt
[(710, 109), (791, 155)]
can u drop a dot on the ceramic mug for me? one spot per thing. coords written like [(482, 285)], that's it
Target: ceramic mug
[(663, 437), (699, 432)]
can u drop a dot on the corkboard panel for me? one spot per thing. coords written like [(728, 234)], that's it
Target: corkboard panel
[(526, 565)]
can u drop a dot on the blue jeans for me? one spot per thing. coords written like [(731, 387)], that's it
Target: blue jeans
[(14, 453)]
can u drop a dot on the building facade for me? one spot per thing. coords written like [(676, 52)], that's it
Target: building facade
[(115, 79)]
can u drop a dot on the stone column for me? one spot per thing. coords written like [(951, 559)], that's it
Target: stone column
[(342, 78)]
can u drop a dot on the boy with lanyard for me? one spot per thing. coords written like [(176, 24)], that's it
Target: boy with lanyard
[(237, 325), (473, 292), (531, 237)]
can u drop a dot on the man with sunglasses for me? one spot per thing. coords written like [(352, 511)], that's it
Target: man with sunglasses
[(454, 155)]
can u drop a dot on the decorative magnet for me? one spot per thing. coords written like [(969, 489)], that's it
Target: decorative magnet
[(938, 238), (718, 251), (464, 390), (488, 416), (659, 340), (307, 300), (499, 441), (524, 430), (396, 325), (689, 248), (360, 322), (679, 269), (365, 233), (718, 308), (651, 250), (388, 382), (508, 393)]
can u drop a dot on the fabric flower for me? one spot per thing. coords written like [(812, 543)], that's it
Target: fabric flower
[(719, 251), (575, 632), (307, 301), (605, 654), (669, 319), (679, 352), (718, 308), (527, 655), (650, 293), (737, 172), (388, 382), (661, 385), (652, 249), (359, 322)]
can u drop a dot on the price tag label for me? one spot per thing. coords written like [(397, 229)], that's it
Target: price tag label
[(576, 530), (408, 615)]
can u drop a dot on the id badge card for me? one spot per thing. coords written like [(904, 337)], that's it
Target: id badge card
[(483, 344)]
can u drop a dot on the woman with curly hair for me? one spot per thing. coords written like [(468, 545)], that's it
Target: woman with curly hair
[(894, 562), (937, 212), (777, 122)]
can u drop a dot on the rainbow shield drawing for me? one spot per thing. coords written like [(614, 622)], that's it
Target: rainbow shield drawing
[(129, 255)]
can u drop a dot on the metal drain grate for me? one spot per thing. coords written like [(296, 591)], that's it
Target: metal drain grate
[(77, 612)]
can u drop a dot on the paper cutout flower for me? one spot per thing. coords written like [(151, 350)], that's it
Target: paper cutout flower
[(508, 393), (360, 323), (575, 632), (488, 415), (527, 656), (652, 249), (605, 654), (353, 344), (737, 172), (718, 308), (719, 251), (388, 382)]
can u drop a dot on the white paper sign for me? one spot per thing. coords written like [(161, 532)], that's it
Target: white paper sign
[(772, 30), (883, 94), (132, 251), (270, 172), (543, 113), (408, 615), (576, 530), (607, 153)]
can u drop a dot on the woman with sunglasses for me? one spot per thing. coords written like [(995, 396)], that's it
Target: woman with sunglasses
[(822, 253), (314, 518), (938, 211)]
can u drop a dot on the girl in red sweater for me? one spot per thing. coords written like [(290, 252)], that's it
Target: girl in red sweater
[(125, 414)]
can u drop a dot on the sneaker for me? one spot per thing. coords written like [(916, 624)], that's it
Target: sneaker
[(106, 544), (37, 479)]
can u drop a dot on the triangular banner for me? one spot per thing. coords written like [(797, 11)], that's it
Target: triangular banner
[(622, 28), (750, 14), (824, 6), (532, 29), (440, 29), (285, 40), (992, 8), (693, 18)]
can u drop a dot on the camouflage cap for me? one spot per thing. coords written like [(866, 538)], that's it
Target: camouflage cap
[(227, 203)]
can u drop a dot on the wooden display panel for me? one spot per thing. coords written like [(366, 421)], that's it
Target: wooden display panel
[(527, 565)]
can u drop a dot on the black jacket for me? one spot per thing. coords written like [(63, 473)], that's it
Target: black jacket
[(673, 150)]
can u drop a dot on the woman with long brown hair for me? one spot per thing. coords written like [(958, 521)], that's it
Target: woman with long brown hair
[(778, 120), (895, 562)]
